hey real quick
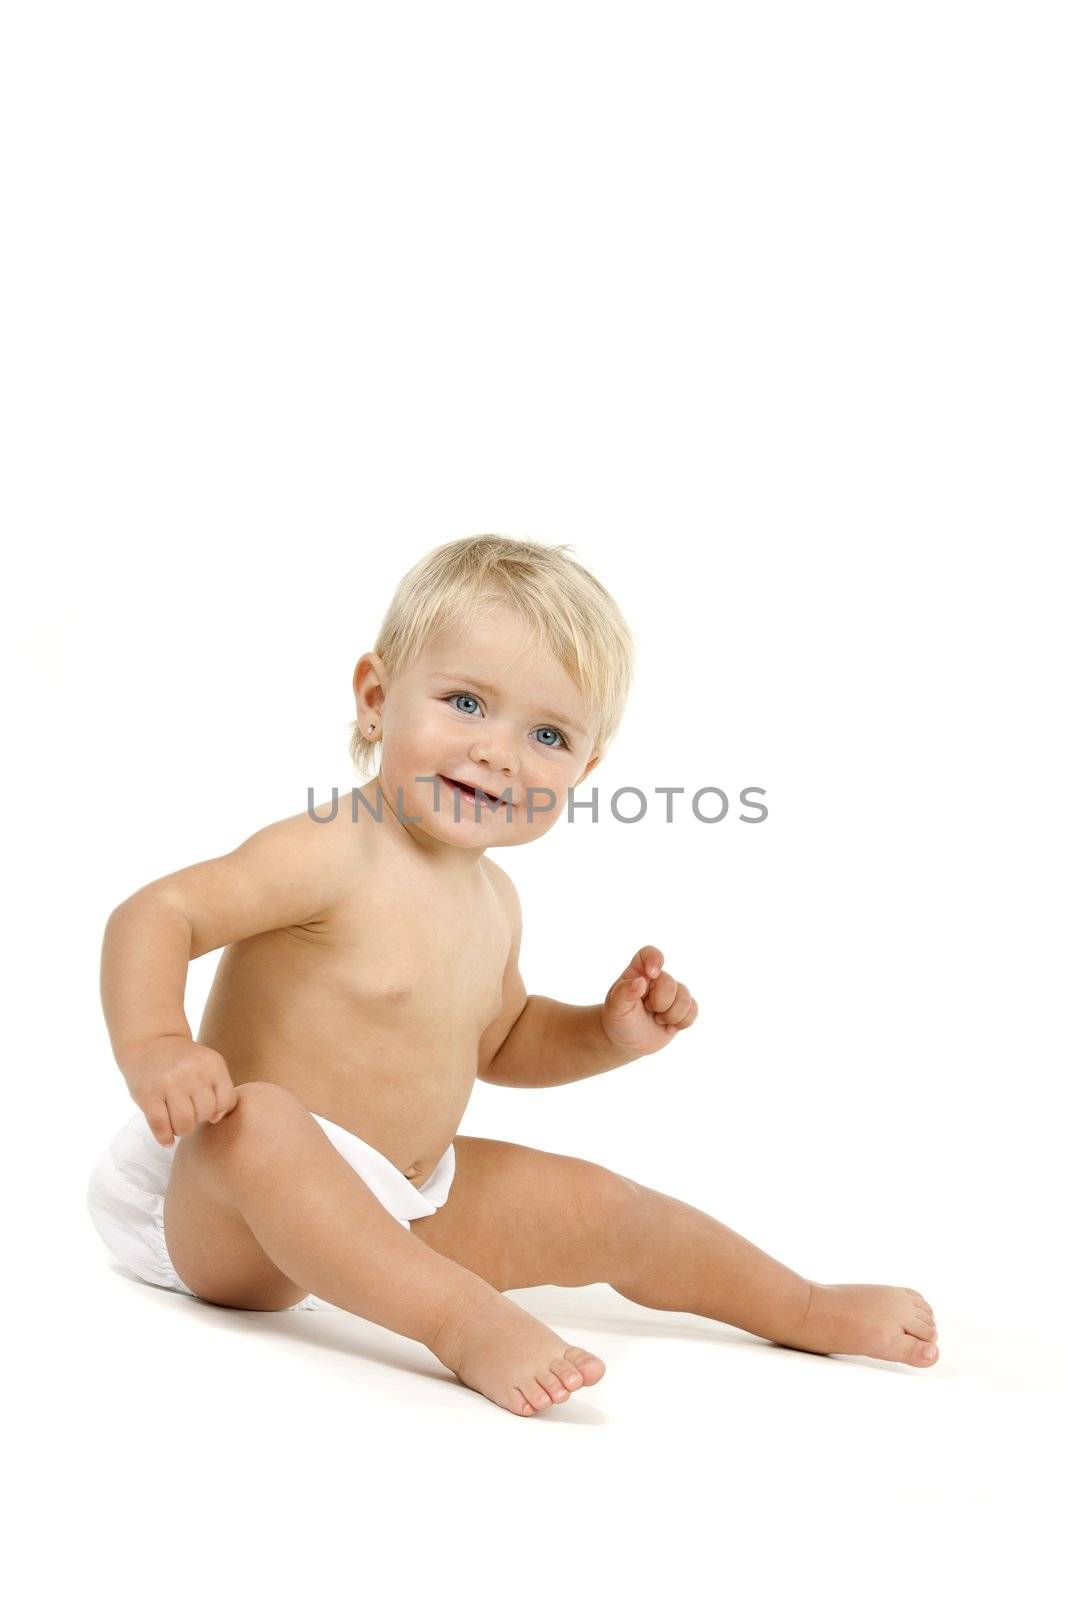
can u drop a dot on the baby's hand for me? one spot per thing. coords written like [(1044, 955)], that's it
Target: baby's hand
[(646, 1007), (177, 1084)]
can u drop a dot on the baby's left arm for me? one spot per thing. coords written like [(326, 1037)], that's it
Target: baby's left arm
[(551, 1043)]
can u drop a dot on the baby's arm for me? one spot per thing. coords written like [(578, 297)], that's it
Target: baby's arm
[(537, 1042), (281, 877)]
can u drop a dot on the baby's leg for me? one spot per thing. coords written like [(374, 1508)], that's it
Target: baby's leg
[(681, 1259), (265, 1186), (520, 1217)]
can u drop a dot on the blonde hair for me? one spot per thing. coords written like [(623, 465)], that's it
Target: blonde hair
[(570, 613)]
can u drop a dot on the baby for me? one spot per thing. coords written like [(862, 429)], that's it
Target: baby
[(306, 1143)]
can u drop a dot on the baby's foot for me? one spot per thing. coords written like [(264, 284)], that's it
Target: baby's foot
[(868, 1319), (511, 1358)]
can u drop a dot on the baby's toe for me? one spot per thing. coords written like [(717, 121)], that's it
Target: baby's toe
[(553, 1386), (590, 1366), (567, 1372), (917, 1352), (920, 1322), (520, 1405), (535, 1395)]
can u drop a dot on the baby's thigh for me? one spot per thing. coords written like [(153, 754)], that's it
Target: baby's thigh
[(211, 1246), (519, 1217)]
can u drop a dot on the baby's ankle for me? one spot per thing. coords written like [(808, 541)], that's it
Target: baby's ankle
[(793, 1312), (447, 1340)]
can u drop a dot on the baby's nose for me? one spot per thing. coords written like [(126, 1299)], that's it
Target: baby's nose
[(498, 762)]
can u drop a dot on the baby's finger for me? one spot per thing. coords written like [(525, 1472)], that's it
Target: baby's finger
[(225, 1099), (678, 1007), (625, 991), (182, 1115), (650, 960), (690, 1016), (660, 996), (158, 1118), (203, 1098), (646, 963)]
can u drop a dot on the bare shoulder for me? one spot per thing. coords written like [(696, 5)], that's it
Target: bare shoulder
[(307, 848), (307, 834), (289, 873)]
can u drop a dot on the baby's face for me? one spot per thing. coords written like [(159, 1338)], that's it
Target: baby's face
[(485, 707)]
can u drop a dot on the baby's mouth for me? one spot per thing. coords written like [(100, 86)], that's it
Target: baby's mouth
[(466, 790)]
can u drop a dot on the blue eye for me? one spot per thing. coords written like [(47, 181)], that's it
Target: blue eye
[(461, 694)]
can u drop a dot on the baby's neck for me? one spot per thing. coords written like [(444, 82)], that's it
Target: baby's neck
[(452, 865)]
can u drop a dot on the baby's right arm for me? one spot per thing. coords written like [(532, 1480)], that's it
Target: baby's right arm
[(283, 876)]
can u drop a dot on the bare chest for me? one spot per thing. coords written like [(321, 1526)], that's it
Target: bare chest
[(423, 964), (372, 1017)]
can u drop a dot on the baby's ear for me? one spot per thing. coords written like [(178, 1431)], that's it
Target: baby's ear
[(592, 762)]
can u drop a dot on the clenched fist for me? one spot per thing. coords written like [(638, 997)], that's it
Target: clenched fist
[(178, 1083), (646, 1007)]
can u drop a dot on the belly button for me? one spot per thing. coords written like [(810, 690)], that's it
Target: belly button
[(411, 1172)]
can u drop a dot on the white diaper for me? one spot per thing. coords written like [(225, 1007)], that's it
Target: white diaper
[(129, 1183)]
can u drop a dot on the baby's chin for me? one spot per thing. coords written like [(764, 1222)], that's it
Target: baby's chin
[(469, 820), (473, 829)]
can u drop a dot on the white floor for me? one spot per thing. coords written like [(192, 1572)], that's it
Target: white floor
[(180, 1446)]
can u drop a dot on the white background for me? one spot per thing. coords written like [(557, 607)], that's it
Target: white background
[(760, 310)]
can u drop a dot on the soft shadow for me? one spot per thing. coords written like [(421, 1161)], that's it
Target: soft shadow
[(568, 1306), (340, 1331)]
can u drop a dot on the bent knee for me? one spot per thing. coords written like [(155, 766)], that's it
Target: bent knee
[(605, 1200), (261, 1109), (262, 1096), (259, 1098)]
